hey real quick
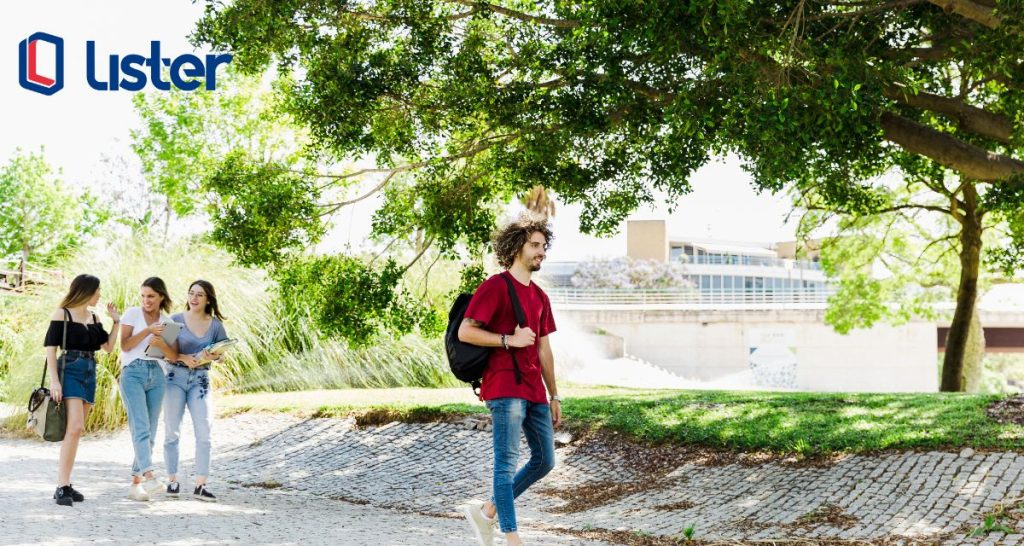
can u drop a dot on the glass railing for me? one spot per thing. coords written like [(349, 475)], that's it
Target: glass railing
[(757, 298), (756, 261)]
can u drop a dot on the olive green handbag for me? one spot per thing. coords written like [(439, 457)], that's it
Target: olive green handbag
[(46, 417)]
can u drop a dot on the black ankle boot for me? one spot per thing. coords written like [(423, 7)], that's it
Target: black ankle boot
[(63, 495), (75, 495)]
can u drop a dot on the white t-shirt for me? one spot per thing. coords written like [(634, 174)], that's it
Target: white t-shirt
[(137, 320)]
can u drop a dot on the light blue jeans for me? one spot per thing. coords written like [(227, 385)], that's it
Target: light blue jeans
[(190, 388), (142, 390), (509, 417)]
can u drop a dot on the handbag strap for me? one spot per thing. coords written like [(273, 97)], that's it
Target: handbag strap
[(64, 347), (64, 355)]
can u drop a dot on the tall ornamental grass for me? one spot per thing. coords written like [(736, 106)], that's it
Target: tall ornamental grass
[(275, 353)]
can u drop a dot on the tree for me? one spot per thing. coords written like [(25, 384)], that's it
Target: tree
[(897, 263), (607, 103), (234, 156), (40, 218), (186, 135)]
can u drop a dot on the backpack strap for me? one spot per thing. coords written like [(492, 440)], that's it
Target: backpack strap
[(520, 320)]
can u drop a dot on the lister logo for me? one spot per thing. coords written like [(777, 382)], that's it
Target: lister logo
[(29, 75), (131, 72)]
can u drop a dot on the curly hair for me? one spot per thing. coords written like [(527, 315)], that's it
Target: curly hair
[(508, 241)]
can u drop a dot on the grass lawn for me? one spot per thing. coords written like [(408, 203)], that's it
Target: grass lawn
[(804, 423)]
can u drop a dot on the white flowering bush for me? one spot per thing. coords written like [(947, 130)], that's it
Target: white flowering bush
[(625, 272)]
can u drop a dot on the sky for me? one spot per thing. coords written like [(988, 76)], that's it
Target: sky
[(78, 126)]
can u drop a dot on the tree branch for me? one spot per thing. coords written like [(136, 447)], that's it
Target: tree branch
[(335, 206), (480, 146), (525, 17), (933, 243), (874, 8), (971, 161), (418, 256), (975, 11), (971, 118), (933, 208)]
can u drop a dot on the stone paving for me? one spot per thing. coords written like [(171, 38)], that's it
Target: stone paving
[(244, 515), (429, 468), (286, 480)]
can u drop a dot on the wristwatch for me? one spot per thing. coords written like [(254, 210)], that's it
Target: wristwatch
[(555, 398)]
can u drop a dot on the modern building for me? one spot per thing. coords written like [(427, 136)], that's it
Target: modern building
[(730, 267)]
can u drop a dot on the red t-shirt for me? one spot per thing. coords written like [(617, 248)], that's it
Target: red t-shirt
[(492, 306)]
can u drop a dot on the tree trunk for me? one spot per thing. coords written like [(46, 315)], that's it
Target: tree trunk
[(21, 267), (974, 357), (167, 219), (967, 294)]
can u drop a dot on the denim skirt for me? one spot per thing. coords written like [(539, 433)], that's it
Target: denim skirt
[(80, 376)]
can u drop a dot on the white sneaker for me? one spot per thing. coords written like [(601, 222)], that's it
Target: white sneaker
[(138, 493), (483, 528), (153, 486)]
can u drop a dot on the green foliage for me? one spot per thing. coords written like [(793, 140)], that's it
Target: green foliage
[(40, 218), (808, 424), (261, 211), (281, 349), (605, 104), (348, 297), (1008, 256), (803, 423), (186, 134), (472, 276)]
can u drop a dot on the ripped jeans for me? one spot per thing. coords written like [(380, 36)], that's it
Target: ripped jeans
[(191, 388)]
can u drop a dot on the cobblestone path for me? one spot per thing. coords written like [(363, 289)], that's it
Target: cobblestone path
[(285, 480)]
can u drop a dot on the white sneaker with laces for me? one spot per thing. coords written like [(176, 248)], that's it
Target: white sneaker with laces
[(137, 492), (483, 528), (153, 486)]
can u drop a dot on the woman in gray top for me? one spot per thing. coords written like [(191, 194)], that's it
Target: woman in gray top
[(188, 384)]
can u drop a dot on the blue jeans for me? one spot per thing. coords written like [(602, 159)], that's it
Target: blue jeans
[(509, 417), (190, 388), (142, 390)]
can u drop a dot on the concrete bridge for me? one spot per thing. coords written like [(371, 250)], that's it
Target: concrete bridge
[(769, 341)]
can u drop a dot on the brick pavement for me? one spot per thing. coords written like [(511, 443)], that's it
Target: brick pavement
[(410, 477), (244, 515)]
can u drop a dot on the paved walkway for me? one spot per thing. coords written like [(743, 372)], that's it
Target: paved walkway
[(244, 515), (324, 481)]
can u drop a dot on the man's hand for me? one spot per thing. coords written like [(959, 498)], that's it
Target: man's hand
[(556, 413), (524, 337)]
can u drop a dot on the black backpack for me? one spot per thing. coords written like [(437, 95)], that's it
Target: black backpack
[(469, 361)]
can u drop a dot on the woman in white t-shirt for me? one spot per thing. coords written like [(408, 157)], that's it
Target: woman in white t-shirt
[(143, 380)]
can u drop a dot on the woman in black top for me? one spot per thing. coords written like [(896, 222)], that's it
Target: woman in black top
[(76, 386)]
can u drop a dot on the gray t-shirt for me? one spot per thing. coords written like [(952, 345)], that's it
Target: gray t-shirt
[(191, 344)]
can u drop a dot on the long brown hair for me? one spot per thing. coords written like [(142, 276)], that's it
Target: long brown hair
[(158, 286), (81, 290), (211, 299)]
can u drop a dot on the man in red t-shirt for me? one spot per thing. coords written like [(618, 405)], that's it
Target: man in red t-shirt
[(518, 402)]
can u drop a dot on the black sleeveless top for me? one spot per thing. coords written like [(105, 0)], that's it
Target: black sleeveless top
[(81, 337)]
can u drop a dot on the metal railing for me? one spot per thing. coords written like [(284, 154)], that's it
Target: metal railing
[(17, 277), (756, 261), (696, 299)]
